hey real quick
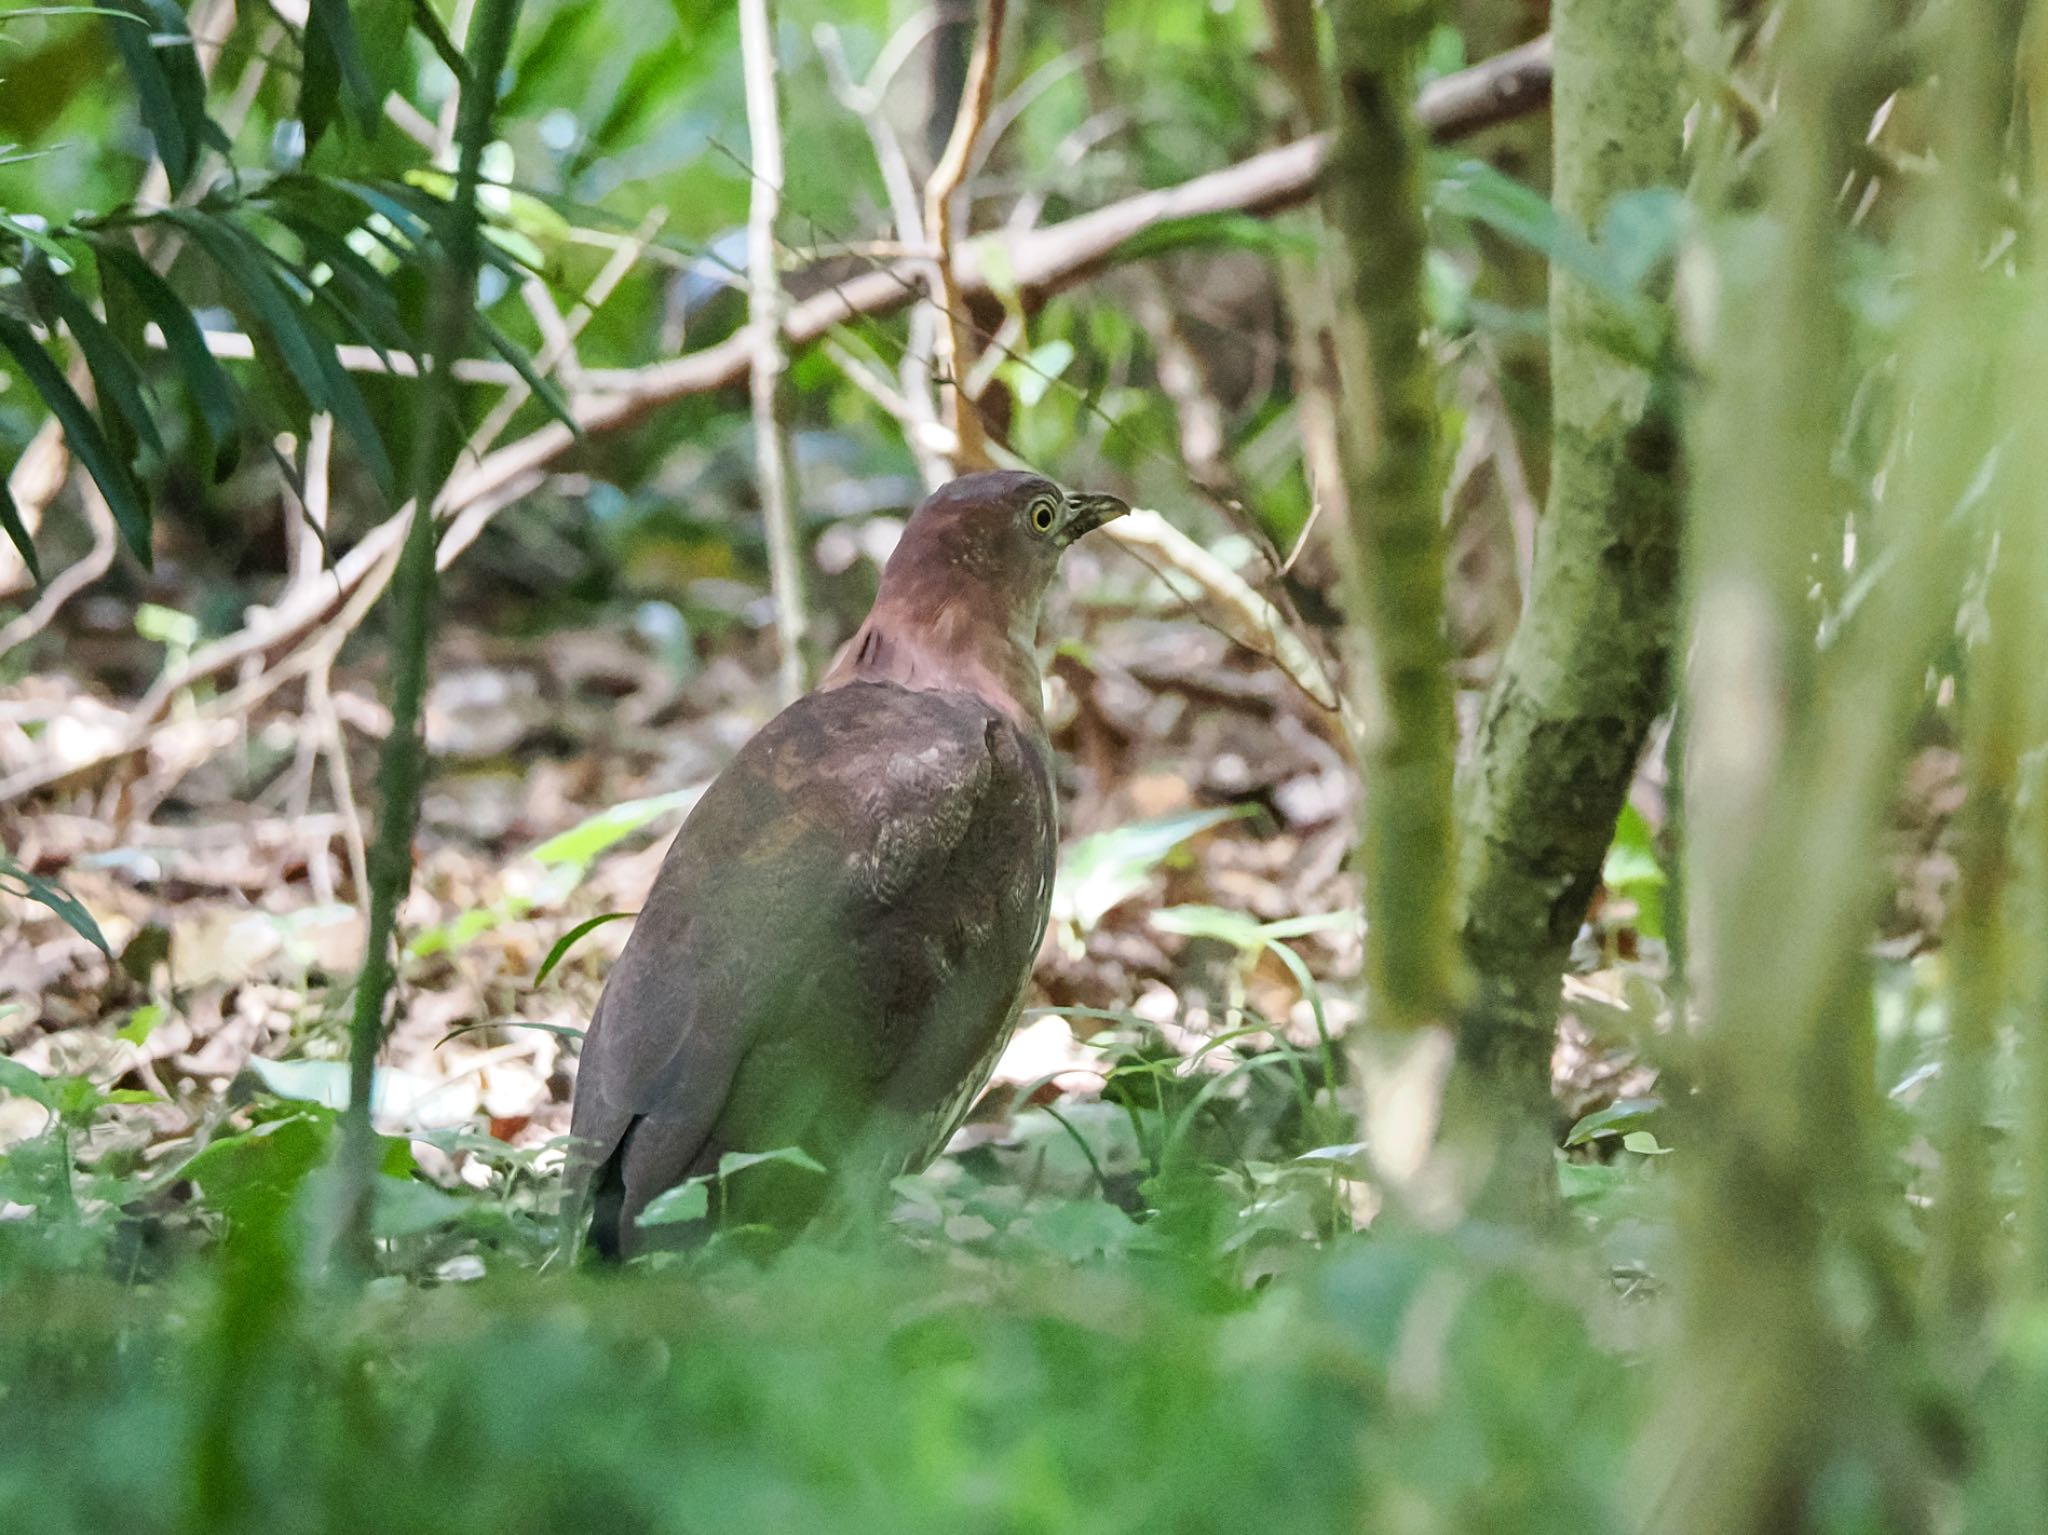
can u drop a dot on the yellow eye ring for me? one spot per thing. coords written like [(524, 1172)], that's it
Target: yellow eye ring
[(1042, 516)]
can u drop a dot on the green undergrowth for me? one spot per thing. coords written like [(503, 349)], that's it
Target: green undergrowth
[(1411, 1382)]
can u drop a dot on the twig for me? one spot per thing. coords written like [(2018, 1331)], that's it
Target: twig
[(950, 350), (306, 527), (235, 346), (768, 361), (560, 346), (74, 578), (920, 412), (1221, 593)]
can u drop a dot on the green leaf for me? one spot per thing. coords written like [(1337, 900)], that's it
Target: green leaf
[(307, 355), (19, 1080), (429, 22), (783, 1156), (1474, 190), (426, 194), (1633, 871), (543, 389), (253, 1176), (171, 91), (1617, 1118), (40, 239), (141, 1023), (61, 901), (319, 78), (206, 382), (83, 433), (689, 1201), (1079, 1230), (329, 25), (417, 231), (580, 845), (1641, 230), (113, 373), (571, 938), (1235, 928), (369, 296), (406, 1207), (17, 532), (1216, 231), (321, 1082), (1102, 871), (1039, 369)]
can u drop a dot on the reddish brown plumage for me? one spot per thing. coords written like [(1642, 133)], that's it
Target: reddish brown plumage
[(835, 949)]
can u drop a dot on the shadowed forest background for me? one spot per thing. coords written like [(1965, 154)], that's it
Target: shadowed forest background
[(1544, 1024)]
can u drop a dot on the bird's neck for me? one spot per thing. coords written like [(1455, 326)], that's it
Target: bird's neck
[(958, 646)]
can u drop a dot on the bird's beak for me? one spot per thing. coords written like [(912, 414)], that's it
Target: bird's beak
[(1086, 513)]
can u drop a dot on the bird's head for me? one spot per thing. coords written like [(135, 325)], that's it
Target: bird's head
[(992, 538), (961, 593)]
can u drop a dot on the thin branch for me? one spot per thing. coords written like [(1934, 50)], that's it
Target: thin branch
[(951, 350), (920, 412), (768, 361), (74, 578), (1221, 594)]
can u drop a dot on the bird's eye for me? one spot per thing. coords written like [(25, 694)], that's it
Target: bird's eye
[(1042, 515)]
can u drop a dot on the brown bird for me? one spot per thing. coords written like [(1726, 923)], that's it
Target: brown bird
[(836, 947)]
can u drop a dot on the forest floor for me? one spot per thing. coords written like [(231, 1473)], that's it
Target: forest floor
[(1204, 913)]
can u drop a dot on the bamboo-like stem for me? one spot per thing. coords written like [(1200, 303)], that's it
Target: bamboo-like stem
[(1959, 216), (1392, 540), (1794, 756), (951, 351), (2027, 550), (402, 762), (766, 304)]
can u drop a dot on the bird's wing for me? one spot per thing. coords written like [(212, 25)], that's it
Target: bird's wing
[(873, 854)]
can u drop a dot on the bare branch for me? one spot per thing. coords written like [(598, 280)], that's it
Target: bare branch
[(767, 360), (951, 350)]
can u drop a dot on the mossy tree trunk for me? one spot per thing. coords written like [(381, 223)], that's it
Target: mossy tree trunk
[(1586, 673)]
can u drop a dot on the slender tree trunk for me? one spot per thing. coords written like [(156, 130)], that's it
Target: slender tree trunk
[(1586, 673), (1391, 540)]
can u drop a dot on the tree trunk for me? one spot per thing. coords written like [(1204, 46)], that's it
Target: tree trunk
[(1586, 673)]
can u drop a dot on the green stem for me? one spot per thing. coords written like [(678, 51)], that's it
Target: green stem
[(1392, 540), (402, 762)]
